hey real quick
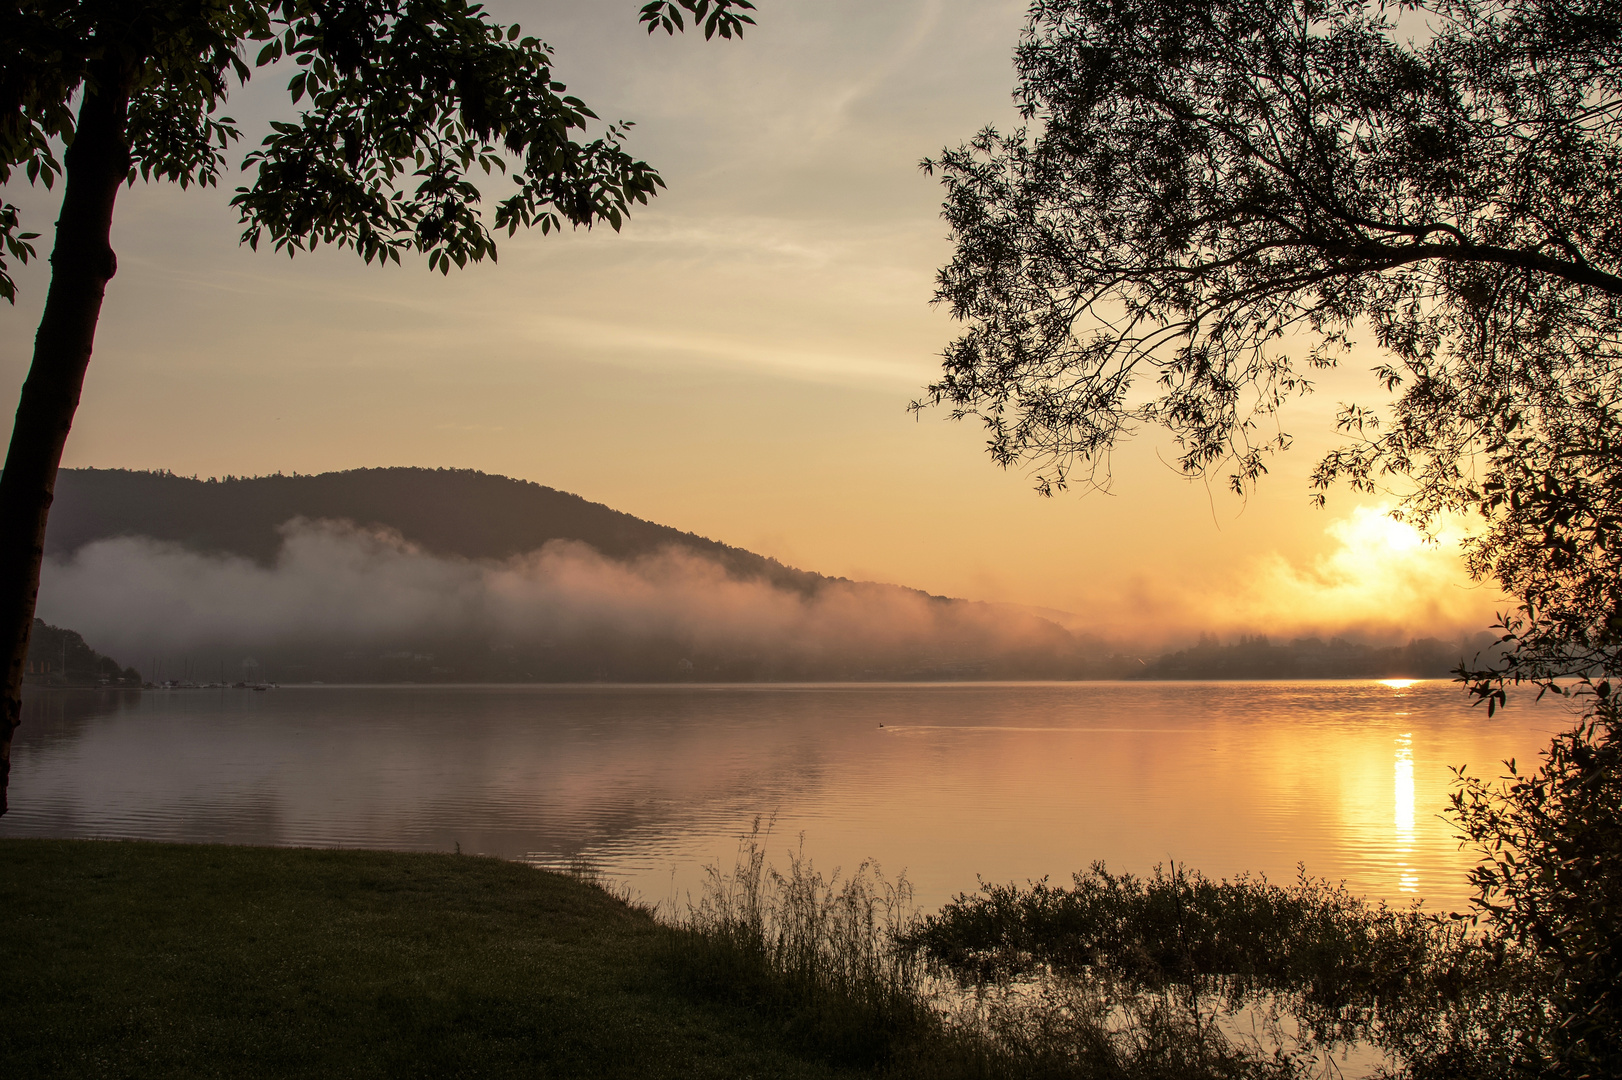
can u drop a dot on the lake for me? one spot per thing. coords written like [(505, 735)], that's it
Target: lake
[(648, 783)]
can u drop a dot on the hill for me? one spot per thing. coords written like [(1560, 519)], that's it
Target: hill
[(59, 657), (480, 590), (477, 596), (444, 511)]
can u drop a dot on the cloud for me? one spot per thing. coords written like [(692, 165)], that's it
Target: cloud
[(1381, 573), (1379, 581)]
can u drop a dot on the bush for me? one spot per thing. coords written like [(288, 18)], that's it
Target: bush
[(1117, 977), (1550, 882), (1179, 975)]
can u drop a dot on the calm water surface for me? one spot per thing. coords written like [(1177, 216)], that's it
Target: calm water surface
[(946, 782)]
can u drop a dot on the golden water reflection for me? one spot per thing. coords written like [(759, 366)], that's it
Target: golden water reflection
[(1402, 813), (951, 782)]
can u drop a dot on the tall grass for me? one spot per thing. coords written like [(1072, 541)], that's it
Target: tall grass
[(1169, 976), (1178, 975), (823, 954)]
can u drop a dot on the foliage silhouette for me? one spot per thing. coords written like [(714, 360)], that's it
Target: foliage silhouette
[(1209, 202), (1205, 206), (1116, 977), (1550, 878), (1176, 974), (60, 657)]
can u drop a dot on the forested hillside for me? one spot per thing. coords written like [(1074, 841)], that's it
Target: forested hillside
[(444, 511), (60, 657), (1256, 657), (477, 594)]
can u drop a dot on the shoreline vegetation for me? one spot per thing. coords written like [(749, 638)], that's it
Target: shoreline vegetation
[(179, 960), (60, 658)]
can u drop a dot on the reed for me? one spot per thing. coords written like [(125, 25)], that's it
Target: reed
[(1179, 975), (822, 954), (1169, 976)]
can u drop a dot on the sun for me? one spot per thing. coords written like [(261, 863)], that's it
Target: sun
[(1374, 530)]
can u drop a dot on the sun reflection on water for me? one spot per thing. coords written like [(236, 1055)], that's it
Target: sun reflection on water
[(1402, 811)]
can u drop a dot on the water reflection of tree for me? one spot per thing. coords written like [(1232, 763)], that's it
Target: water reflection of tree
[(52, 713)]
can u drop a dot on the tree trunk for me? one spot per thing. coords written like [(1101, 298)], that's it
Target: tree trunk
[(82, 263)]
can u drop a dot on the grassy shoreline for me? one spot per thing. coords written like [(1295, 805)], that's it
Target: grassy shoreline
[(133, 959)]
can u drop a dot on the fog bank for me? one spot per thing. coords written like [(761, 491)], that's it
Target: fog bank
[(335, 587), (344, 603)]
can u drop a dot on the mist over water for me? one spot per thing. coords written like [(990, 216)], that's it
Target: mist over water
[(948, 781), (335, 588), (1376, 580), (333, 582)]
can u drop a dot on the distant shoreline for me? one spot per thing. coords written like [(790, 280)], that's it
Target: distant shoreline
[(765, 684)]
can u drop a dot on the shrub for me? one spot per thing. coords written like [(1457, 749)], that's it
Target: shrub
[(1550, 882), (1179, 975)]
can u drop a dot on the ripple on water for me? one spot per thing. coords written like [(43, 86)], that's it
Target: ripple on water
[(951, 782)]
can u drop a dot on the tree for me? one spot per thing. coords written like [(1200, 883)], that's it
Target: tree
[(1209, 202), (404, 103)]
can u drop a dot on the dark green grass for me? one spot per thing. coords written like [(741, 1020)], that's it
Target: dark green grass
[(134, 959)]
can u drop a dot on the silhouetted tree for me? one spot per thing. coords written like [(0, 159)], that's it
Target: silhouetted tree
[(404, 104), (1210, 200)]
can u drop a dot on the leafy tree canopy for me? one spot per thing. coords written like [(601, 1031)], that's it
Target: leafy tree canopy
[(1209, 202), (403, 103)]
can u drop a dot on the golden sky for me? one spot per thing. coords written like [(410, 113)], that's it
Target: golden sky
[(736, 363)]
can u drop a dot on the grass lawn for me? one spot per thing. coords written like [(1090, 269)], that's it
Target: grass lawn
[(136, 959)]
